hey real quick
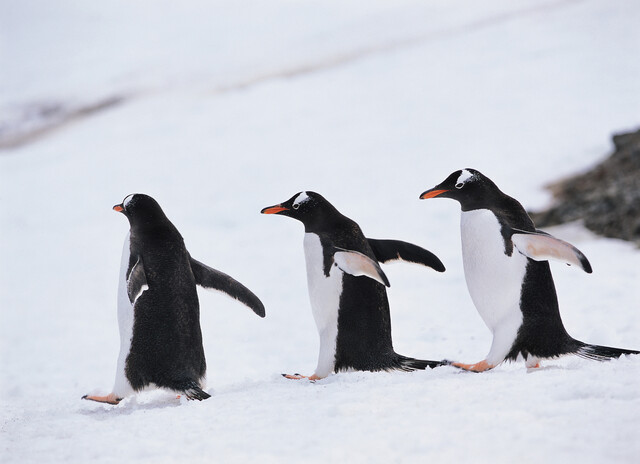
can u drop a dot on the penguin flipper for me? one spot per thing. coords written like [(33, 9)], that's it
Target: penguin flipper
[(137, 281), (212, 279), (541, 246), (396, 250), (358, 264)]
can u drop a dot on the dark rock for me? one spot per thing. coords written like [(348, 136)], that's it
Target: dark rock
[(606, 198)]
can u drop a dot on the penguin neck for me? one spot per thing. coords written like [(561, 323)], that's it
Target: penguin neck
[(153, 227), (328, 220), (508, 210)]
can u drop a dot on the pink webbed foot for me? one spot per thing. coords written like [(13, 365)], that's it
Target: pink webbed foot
[(111, 398), (477, 367), (300, 377)]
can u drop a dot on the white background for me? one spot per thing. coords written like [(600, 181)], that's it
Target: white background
[(232, 106)]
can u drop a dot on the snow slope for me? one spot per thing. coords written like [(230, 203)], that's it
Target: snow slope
[(232, 106)]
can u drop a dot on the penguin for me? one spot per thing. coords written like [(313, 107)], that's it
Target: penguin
[(158, 309), (347, 288), (505, 260)]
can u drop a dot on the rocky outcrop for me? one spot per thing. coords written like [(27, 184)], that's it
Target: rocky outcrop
[(606, 198)]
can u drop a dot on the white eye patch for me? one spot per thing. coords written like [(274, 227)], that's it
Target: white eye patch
[(464, 177), (127, 200), (303, 197)]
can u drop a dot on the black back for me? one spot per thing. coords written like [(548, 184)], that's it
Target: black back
[(542, 333), (166, 347)]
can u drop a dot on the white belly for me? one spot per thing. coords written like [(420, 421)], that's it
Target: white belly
[(494, 279), (121, 386), (324, 294)]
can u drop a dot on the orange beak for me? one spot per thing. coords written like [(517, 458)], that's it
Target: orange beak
[(118, 208), (431, 194), (274, 209)]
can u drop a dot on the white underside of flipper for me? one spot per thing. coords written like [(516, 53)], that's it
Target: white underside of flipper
[(494, 279), (544, 247), (122, 387), (358, 264), (324, 294)]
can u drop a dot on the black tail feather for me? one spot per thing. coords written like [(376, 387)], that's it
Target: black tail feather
[(192, 390), (601, 353), (411, 364)]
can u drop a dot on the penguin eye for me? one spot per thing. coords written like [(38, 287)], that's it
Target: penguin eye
[(296, 205), (459, 185)]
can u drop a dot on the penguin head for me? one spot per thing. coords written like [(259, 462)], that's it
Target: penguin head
[(468, 186), (307, 207), (141, 209)]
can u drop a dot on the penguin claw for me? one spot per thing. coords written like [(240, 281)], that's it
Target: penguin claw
[(111, 398)]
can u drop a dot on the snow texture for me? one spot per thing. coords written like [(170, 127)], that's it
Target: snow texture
[(225, 107)]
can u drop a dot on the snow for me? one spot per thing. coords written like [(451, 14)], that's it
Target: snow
[(225, 107)]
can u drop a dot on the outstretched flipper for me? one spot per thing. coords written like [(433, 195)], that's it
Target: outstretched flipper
[(393, 250), (136, 281), (210, 278), (358, 264), (541, 246)]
